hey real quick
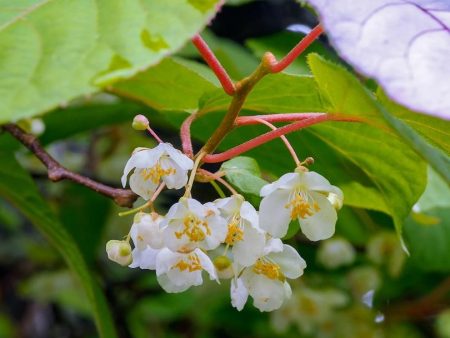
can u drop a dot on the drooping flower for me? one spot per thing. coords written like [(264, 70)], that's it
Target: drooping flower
[(119, 251), (177, 272), (151, 166), (265, 281), (243, 234), (189, 225), (148, 240), (301, 196)]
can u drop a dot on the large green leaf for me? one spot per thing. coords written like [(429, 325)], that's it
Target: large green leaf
[(427, 230), (395, 174), (53, 51), (428, 135), (17, 186), (174, 84), (277, 93)]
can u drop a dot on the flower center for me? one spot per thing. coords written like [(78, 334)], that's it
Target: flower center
[(195, 229), (235, 232), (192, 263), (156, 172), (268, 269), (302, 205)]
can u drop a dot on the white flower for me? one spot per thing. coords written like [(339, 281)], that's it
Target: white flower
[(148, 240), (265, 281), (151, 166), (189, 225), (243, 234), (303, 196), (119, 251), (177, 272)]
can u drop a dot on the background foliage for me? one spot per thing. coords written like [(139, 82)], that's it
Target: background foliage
[(87, 64)]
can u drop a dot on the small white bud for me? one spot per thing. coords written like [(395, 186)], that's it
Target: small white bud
[(336, 252), (140, 122), (119, 252)]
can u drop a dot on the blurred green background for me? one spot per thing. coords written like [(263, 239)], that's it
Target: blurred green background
[(358, 284)]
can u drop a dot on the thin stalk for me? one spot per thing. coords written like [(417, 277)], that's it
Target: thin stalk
[(147, 204), (153, 133), (197, 161), (284, 139), (214, 64)]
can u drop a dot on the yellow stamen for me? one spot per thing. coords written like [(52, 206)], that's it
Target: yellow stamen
[(155, 173), (235, 233), (268, 269), (195, 229), (301, 207), (192, 264)]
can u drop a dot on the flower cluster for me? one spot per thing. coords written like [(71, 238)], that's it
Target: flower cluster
[(228, 238)]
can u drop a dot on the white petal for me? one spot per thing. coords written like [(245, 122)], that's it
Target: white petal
[(196, 207), (321, 225), (219, 230), (165, 260), (171, 239), (176, 211), (287, 181), (182, 160), (230, 205), (273, 245), (317, 182), (206, 264), (141, 187), (274, 217), (290, 262), (249, 214), (144, 259), (169, 286), (247, 251), (176, 180), (239, 294), (268, 294)]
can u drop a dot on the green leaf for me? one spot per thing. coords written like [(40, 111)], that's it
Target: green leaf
[(58, 287), (433, 135), (427, 230), (433, 129), (277, 93), (64, 123), (174, 84), (17, 186), (244, 173), (394, 173), (83, 211), (54, 51), (427, 235)]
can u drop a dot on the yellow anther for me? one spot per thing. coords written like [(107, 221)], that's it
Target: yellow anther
[(301, 208), (235, 233), (268, 269), (195, 229), (155, 173), (192, 264)]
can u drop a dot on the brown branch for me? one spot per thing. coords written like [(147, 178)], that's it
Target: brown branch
[(419, 309), (56, 172)]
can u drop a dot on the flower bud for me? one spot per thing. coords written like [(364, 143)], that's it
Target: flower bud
[(222, 262), (336, 252), (140, 122), (119, 252)]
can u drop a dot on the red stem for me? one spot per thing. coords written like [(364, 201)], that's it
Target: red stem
[(297, 50), (273, 118), (185, 135), (261, 139), (214, 64)]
